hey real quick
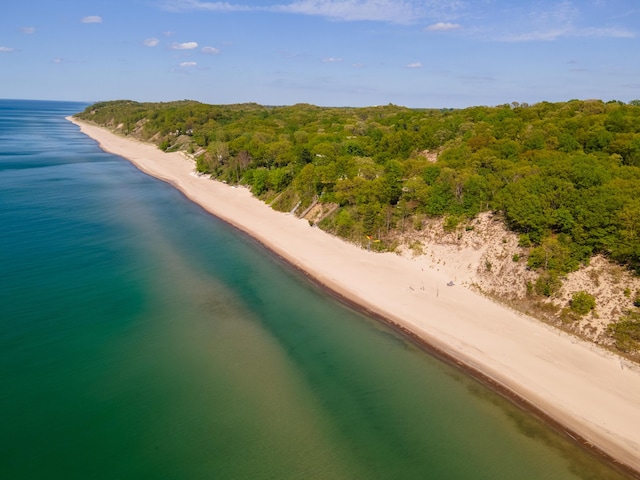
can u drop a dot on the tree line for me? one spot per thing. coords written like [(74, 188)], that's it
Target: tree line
[(565, 176)]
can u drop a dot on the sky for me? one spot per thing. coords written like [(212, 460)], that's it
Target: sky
[(415, 53)]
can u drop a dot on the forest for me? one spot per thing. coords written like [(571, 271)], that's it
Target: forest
[(564, 176)]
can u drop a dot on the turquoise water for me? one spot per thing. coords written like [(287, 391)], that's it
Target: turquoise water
[(141, 338)]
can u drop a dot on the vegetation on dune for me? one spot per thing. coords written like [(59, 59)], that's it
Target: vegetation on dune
[(564, 176), (582, 303), (626, 332)]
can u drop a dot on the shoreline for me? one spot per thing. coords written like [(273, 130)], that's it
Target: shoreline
[(589, 394)]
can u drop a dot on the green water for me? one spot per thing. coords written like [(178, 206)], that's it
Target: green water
[(140, 338)]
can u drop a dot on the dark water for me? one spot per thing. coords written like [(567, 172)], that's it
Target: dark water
[(140, 338)]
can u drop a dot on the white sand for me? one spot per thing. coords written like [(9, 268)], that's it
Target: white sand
[(589, 391)]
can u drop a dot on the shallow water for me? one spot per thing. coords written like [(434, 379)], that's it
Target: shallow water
[(142, 338)]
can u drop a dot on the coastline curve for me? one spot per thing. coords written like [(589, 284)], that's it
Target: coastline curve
[(589, 393)]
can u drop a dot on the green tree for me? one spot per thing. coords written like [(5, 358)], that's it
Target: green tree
[(393, 178), (582, 302), (548, 283), (260, 183), (344, 223)]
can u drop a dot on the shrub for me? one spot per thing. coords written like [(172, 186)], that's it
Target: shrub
[(547, 284), (529, 288), (568, 316), (451, 222), (582, 302), (537, 258), (626, 333), (524, 240)]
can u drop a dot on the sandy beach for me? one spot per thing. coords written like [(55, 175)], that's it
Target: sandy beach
[(593, 393)]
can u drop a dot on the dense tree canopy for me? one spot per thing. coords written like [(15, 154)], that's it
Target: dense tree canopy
[(566, 176)]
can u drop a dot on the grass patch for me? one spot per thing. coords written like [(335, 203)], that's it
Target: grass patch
[(626, 332), (569, 316)]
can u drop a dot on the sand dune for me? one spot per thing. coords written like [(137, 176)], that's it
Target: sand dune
[(591, 392)]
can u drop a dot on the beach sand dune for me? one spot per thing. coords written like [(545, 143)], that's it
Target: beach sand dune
[(592, 393)]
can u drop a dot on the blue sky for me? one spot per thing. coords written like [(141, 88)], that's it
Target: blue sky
[(417, 53)]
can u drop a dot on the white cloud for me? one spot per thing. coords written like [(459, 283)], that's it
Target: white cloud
[(6, 49), (57, 60), (561, 13), (553, 21), (92, 19), (475, 79), (188, 64), (391, 11), (28, 30), (443, 27), (331, 60), (210, 50), (181, 5), (544, 36), (394, 11), (184, 46), (545, 20), (414, 65), (151, 42), (551, 35), (605, 32)]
